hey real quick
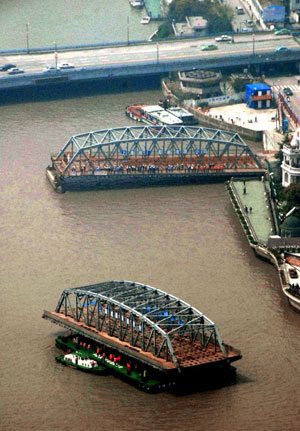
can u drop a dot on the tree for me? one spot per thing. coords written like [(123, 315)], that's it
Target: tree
[(219, 16)]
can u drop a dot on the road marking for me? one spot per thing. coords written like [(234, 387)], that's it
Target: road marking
[(295, 88)]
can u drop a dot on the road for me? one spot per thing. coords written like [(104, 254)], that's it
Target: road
[(164, 51)]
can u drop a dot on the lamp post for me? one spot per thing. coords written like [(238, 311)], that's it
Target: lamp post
[(253, 43), (55, 54), (127, 30), (27, 37), (157, 52)]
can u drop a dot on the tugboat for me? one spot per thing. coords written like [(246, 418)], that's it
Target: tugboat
[(86, 364)]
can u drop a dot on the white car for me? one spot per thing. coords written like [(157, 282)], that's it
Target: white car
[(224, 38), (15, 71), (66, 66), (50, 69)]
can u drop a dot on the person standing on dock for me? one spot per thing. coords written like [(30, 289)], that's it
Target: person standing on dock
[(128, 366)]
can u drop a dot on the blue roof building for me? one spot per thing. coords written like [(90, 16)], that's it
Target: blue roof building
[(258, 96)]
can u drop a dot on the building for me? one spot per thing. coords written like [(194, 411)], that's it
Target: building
[(203, 83), (194, 25), (258, 96), (291, 161)]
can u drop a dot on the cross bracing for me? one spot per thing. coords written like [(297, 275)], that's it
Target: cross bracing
[(155, 145), (143, 316)]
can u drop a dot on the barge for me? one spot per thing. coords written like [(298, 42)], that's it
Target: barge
[(159, 115), (152, 115), (150, 156), (161, 338)]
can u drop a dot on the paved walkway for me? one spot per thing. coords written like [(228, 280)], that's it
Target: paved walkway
[(260, 216), (241, 115)]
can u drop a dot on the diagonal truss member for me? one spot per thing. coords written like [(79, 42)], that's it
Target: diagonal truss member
[(141, 315)]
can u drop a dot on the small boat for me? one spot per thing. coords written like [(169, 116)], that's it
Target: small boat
[(152, 115), (138, 4), (145, 20), (292, 275), (76, 360)]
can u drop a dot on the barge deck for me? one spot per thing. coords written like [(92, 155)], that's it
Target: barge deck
[(157, 330)]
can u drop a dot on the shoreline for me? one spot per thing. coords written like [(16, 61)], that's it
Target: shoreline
[(262, 250)]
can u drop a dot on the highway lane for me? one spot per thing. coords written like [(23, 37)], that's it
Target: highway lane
[(164, 51)]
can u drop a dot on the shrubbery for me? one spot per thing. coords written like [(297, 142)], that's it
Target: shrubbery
[(219, 16)]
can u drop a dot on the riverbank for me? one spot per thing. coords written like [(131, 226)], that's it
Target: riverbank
[(254, 207)]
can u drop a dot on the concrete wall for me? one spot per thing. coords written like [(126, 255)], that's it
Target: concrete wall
[(205, 120)]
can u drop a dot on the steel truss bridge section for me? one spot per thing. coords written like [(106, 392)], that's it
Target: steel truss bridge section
[(146, 319), (158, 147)]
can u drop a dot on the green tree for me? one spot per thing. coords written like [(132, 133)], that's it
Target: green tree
[(219, 16)]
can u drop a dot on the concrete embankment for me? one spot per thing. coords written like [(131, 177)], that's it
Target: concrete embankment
[(208, 121), (261, 250)]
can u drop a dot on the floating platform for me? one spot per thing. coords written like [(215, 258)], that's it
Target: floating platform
[(150, 156), (153, 329)]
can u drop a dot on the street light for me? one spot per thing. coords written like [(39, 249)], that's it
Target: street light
[(55, 54), (27, 37), (127, 30), (157, 52)]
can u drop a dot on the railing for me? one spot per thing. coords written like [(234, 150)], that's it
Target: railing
[(241, 207)]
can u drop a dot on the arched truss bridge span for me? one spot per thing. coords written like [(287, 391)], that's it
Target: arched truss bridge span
[(160, 327), (153, 149)]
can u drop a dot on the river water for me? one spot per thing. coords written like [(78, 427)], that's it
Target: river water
[(185, 240), (70, 22)]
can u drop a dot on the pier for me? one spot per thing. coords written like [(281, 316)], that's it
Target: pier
[(144, 324), (150, 155)]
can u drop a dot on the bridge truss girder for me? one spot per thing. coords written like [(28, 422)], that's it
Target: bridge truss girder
[(142, 316), (155, 144)]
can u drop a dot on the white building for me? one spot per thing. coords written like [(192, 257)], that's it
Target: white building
[(291, 161)]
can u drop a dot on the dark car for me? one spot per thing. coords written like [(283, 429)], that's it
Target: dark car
[(293, 273), (7, 66), (287, 91)]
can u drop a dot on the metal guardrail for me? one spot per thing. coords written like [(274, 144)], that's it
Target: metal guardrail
[(172, 39)]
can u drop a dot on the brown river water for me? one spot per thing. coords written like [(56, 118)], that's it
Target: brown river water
[(184, 240)]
